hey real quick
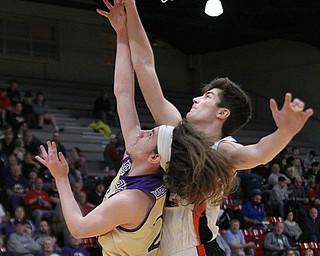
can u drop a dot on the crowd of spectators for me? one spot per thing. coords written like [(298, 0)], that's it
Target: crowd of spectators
[(288, 189), (31, 219)]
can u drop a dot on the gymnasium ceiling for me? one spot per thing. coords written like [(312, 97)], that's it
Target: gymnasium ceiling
[(184, 25)]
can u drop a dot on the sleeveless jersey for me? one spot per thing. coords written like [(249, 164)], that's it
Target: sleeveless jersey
[(145, 239), (178, 234)]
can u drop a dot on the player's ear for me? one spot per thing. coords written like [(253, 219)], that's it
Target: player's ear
[(154, 158), (223, 113)]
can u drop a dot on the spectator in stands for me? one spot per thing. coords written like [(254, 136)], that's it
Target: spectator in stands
[(250, 181), (314, 170), (113, 152), (5, 106), (19, 149), (3, 218), (16, 186), (311, 226), (15, 118), (297, 168), (312, 190), (31, 143), (223, 245), (48, 248), (57, 139), (291, 228), (19, 215), (298, 197), (39, 201), (7, 145), (309, 252), (103, 111), (89, 243), (253, 212), (43, 233), (275, 174), (3, 248), (78, 162), (290, 253), (235, 239), (96, 195), (279, 196), (20, 242), (72, 248), (13, 92), (276, 243), (28, 110), (295, 153), (311, 158), (42, 114), (29, 165)]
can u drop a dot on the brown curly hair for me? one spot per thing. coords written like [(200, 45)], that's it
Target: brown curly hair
[(196, 171)]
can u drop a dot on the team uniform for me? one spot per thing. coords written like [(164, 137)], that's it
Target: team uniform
[(145, 239), (180, 232)]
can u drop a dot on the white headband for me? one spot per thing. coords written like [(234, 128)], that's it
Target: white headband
[(164, 144)]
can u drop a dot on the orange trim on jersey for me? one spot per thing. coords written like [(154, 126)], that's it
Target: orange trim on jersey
[(196, 219)]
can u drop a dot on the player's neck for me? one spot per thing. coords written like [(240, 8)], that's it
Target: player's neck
[(213, 131)]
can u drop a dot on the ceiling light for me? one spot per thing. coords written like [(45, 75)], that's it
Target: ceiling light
[(213, 8)]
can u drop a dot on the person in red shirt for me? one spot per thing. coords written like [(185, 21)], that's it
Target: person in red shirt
[(39, 201), (5, 105)]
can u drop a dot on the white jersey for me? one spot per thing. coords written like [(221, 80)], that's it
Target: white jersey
[(179, 237)]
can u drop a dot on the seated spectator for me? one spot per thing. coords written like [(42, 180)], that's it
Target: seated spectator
[(103, 111), (29, 164), (235, 239), (291, 228), (15, 117), (113, 152), (43, 233), (96, 195), (48, 248), (78, 162), (253, 212), (20, 242), (72, 248), (89, 243), (298, 197), (275, 174), (19, 149), (19, 215), (39, 201), (6, 145), (312, 190), (16, 186), (279, 196), (314, 170), (3, 248), (311, 158), (251, 181), (3, 218), (31, 143), (223, 245), (276, 243), (13, 92), (42, 114), (311, 226), (28, 110), (308, 252), (5, 106)]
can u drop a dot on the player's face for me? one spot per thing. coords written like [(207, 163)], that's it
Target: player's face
[(145, 144), (205, 107)]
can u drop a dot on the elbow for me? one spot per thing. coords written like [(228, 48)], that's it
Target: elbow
[(76, 233)]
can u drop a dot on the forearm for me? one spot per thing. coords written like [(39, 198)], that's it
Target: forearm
[(141, 51), (71, 211)]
